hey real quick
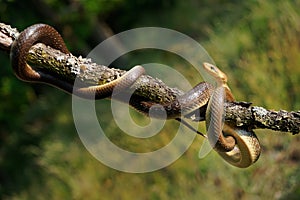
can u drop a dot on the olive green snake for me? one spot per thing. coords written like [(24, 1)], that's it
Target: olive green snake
[(237, 146)]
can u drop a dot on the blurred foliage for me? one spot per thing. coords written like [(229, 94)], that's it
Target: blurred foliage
[(254, 42)]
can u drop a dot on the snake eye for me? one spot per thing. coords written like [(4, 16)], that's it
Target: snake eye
[(213, 68)]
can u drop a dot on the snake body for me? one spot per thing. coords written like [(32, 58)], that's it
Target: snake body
[(238, 147), (192, 100)]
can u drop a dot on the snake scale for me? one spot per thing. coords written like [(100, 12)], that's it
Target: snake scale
[(237, 146)]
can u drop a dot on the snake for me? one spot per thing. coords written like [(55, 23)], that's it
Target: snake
[(239, 147)]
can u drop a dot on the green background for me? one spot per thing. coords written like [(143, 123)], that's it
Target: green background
[(254, 42)]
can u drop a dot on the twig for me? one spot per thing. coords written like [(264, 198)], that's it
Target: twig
[(240, 114)]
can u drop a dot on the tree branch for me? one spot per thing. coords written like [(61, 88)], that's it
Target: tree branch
[(258, 117), (240, 114)]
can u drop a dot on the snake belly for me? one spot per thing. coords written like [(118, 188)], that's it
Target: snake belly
[(214, 122)]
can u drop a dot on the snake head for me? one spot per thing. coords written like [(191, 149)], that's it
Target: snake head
[(215, 72)]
